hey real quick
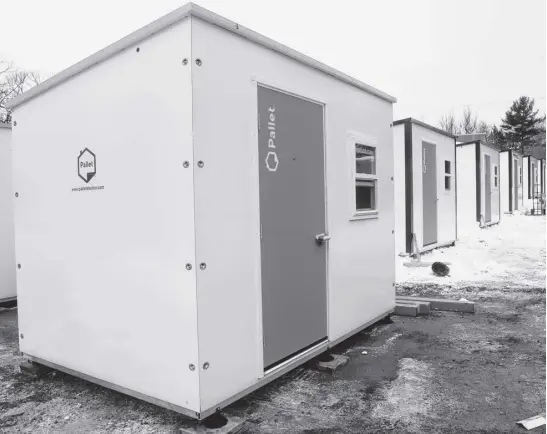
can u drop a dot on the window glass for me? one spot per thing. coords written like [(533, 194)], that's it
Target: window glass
[(447, 167), (447, 182), (365, 159), (365, 195)]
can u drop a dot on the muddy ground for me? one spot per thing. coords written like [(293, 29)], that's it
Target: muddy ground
[(444, 373)]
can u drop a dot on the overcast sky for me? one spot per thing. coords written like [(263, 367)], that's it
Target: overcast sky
[(435, 56)]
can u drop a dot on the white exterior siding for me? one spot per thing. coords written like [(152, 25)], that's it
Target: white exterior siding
[(400, 195), (504, 182), (139, 237), (531, 168), (7, 244), (103, 288), (361, 252), (467, 189), (446, 206), (495, 191)]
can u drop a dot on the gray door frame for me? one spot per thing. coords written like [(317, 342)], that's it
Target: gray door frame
[(256, 83), (487, 188), (433, 146), (516, 178)]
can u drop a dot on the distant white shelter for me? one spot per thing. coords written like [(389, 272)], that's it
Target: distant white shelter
[(425, 186), (8, 291), (511, 181), (185, 259), (478, 184), (532, 189)]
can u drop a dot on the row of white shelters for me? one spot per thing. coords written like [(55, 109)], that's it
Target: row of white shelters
[(186, 260), (532, 186), (511, 181), (478, 183), (7, 243)]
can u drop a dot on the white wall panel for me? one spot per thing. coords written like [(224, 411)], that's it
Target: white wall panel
[(495, 191), (504, 182), (7, 241), (467, 189), (103, 287), (400, 195), (361, 252), (446, 206), (526, 202)]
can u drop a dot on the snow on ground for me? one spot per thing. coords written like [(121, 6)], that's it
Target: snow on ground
[(512, 251)]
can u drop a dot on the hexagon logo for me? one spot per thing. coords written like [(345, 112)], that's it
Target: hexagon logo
[(272, 161), (87, 165)]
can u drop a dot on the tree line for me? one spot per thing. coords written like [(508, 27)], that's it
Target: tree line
[(521, 128), (13, 82)]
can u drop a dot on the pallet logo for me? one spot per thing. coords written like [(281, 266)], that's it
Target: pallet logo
[(87, 165)]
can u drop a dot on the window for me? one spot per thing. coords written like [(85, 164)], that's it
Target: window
[(447, 175), (496, 176), (366, 181), (520, 175)]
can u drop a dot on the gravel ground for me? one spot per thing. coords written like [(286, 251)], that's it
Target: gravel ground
[(444, 373)]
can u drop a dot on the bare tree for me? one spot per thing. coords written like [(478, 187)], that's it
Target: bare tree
[(13, 82), (448, 123), (469, 123)]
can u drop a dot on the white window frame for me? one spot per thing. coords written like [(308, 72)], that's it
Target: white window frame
[(449, 175), (353, 141), (495, 176)]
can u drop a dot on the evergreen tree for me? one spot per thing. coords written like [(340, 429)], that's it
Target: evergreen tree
[(521, 124), (497, 138)]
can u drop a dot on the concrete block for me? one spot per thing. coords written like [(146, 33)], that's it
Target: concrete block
[(332, 365), (440, 304), (233, 425), (406, 309), (424, 307), (33, 370)]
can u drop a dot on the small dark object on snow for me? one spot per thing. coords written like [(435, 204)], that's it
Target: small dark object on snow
[(440, 269)]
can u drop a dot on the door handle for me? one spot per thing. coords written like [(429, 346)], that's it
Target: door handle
[(321, 238)]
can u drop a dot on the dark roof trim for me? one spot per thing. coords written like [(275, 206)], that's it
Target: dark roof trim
[(423, 125), (5, 125), (177, 15), (513, 151), (488, 145)]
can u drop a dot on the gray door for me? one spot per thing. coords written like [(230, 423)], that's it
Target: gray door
[(429, 187), (515, 185), (487, 190), (292, 214)]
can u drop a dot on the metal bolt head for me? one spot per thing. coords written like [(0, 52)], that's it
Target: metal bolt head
[(198, 62), (202, 266), (16, 194), (185, 61), (186, 164), (138, 49), (201, 164), (191, 367), (206, 365), (19, 266), (188, 266), (22, 336)]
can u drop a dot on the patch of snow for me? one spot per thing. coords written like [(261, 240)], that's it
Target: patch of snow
[(407, 398), (512, 252)]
